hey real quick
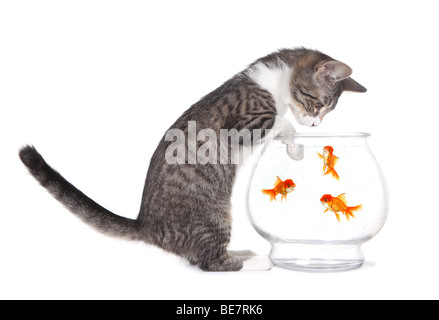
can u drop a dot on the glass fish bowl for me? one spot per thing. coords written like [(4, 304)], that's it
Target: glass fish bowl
[(317, 198)]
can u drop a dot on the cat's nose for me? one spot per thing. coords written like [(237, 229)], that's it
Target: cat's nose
[(316, 121), (311, 121)]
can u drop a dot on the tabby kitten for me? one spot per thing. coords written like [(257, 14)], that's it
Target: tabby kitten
[(185, 207)]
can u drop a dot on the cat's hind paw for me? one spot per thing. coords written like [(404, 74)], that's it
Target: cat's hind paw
[(241, 253), (257, 263)]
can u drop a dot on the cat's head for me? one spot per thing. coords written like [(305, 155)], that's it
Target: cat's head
[(316, 84)]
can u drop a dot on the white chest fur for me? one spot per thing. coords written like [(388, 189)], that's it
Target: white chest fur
[(276, 81)]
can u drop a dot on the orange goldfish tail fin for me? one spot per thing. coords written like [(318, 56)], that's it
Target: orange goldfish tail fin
[(335, 174), (270, 192), (348, 212), (356, 208)]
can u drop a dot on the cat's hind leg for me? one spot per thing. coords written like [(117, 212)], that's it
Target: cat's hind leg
[(210, 238)]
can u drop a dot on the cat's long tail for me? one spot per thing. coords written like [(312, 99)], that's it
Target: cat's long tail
[(74, 200)]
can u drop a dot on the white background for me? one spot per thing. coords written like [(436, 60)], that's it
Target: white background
[(95, 84)]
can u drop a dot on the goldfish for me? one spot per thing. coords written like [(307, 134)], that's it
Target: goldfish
[(338, 204), (282, 187), (329, 161)]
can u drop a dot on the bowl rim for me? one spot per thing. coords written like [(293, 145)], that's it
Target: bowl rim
[(327, 135)]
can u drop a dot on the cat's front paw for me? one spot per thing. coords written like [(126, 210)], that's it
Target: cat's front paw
[(295, 151)]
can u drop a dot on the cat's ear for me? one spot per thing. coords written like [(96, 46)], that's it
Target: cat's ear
[(337, 71), (350, 84), (332, 70)]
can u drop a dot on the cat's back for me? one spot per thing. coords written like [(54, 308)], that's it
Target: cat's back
[(232, 99)]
